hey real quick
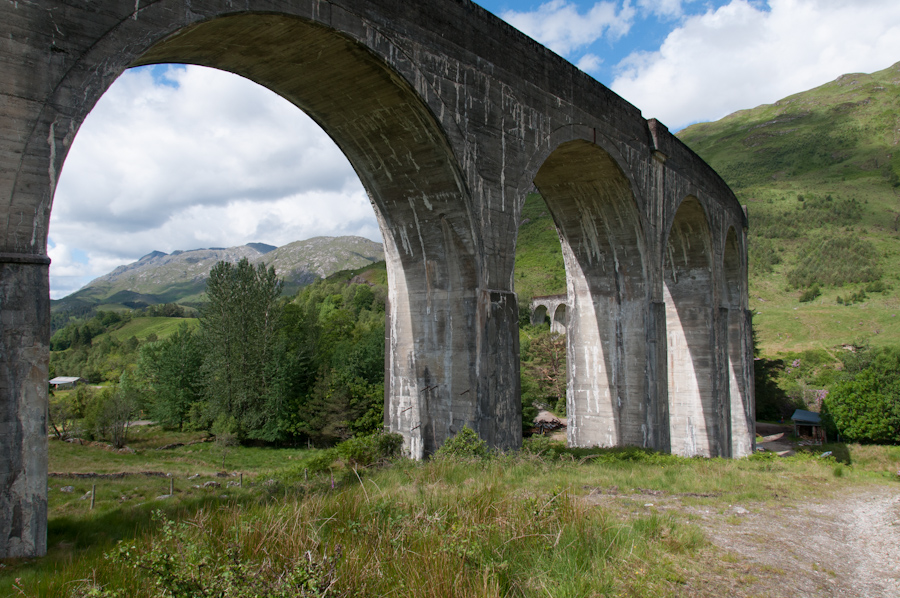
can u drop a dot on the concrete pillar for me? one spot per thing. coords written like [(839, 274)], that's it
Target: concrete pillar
[(24, 364), (657, 377), (499, 408)]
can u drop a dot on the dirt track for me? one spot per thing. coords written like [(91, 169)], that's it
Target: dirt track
[(845, 546)]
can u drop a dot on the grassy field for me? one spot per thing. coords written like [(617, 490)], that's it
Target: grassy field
[(526, 524), (144, 327)]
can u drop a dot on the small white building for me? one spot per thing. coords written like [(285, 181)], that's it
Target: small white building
[(63, 382)]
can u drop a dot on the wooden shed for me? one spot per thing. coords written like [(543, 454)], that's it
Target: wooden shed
[(808, 423)]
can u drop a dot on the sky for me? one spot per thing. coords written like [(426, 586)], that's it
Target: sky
[(177, 158)]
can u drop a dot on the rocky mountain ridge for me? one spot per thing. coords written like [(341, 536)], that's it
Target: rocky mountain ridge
[(180, 276)]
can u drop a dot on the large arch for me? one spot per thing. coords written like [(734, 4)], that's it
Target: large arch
[(593, 205), (408, 169), (694, 411)]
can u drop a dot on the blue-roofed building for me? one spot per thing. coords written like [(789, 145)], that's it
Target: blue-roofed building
[(808, 423)]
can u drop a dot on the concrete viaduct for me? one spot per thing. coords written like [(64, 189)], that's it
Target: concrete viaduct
[(449, 116), (552, 307)]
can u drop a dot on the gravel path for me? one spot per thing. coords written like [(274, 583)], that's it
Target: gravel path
[(845, 546)]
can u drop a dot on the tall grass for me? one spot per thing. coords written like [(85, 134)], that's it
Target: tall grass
[(552, 521)]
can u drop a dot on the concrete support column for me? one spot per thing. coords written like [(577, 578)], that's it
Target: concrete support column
[(743, 407), (723, 388), (657, 377), (24, 364), (499, 409)]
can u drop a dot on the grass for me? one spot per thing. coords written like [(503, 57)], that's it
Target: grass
[(564, 521), (144, 327)]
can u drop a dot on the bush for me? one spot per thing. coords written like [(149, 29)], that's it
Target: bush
[(836, 261), (865, 407), (465, 445), (193, 559), (764, 255), (369, 450), (810, 294)]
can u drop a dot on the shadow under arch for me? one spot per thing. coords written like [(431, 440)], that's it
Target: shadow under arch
[(695, 417), (740, 396), (595, 211), (559, 323), (423, 208)]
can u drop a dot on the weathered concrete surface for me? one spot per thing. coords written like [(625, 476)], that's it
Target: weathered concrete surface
[(449, 116), (24, 365)]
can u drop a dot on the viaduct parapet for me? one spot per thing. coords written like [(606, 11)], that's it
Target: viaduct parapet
[(449, 116)]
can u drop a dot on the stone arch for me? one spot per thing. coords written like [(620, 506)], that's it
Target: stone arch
[(558, 323), (388, 131), (539, 316), (694, 416), (593, 205), (732, 296), (737, 328)]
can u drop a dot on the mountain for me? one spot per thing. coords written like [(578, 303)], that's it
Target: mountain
[(819, 172), (180, 277)]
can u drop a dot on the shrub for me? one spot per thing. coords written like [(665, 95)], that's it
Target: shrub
[(371, 450), (836, 261), (764, 255), (190, 559), (465, 445), (810, 294)]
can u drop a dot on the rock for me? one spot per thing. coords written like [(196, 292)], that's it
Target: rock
[(212, 484), (739, 510), (164, 496), (86, 496), (67, 489)]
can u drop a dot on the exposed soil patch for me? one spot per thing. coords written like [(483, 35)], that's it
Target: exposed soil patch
[(843, 546)]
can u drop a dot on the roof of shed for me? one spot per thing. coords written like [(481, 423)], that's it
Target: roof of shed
[(806, 417), (66, 380)]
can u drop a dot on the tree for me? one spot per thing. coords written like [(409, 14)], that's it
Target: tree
[(545, 365), (172, 368), (866, 406), (239, 325)]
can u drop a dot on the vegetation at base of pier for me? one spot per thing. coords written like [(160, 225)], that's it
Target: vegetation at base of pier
[(570, 521)]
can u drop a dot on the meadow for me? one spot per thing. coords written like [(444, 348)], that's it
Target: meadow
[(306, 522)]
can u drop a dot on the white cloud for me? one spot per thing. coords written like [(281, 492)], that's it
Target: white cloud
[(202, 159), (589, 63), (745, 54), (661, 8), (559, 26)]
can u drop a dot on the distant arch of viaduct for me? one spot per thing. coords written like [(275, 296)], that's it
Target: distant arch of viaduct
[(449, 116)]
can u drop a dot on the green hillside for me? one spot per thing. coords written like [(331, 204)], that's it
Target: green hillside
[(539, 262), (142, 328), (820, 175)]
